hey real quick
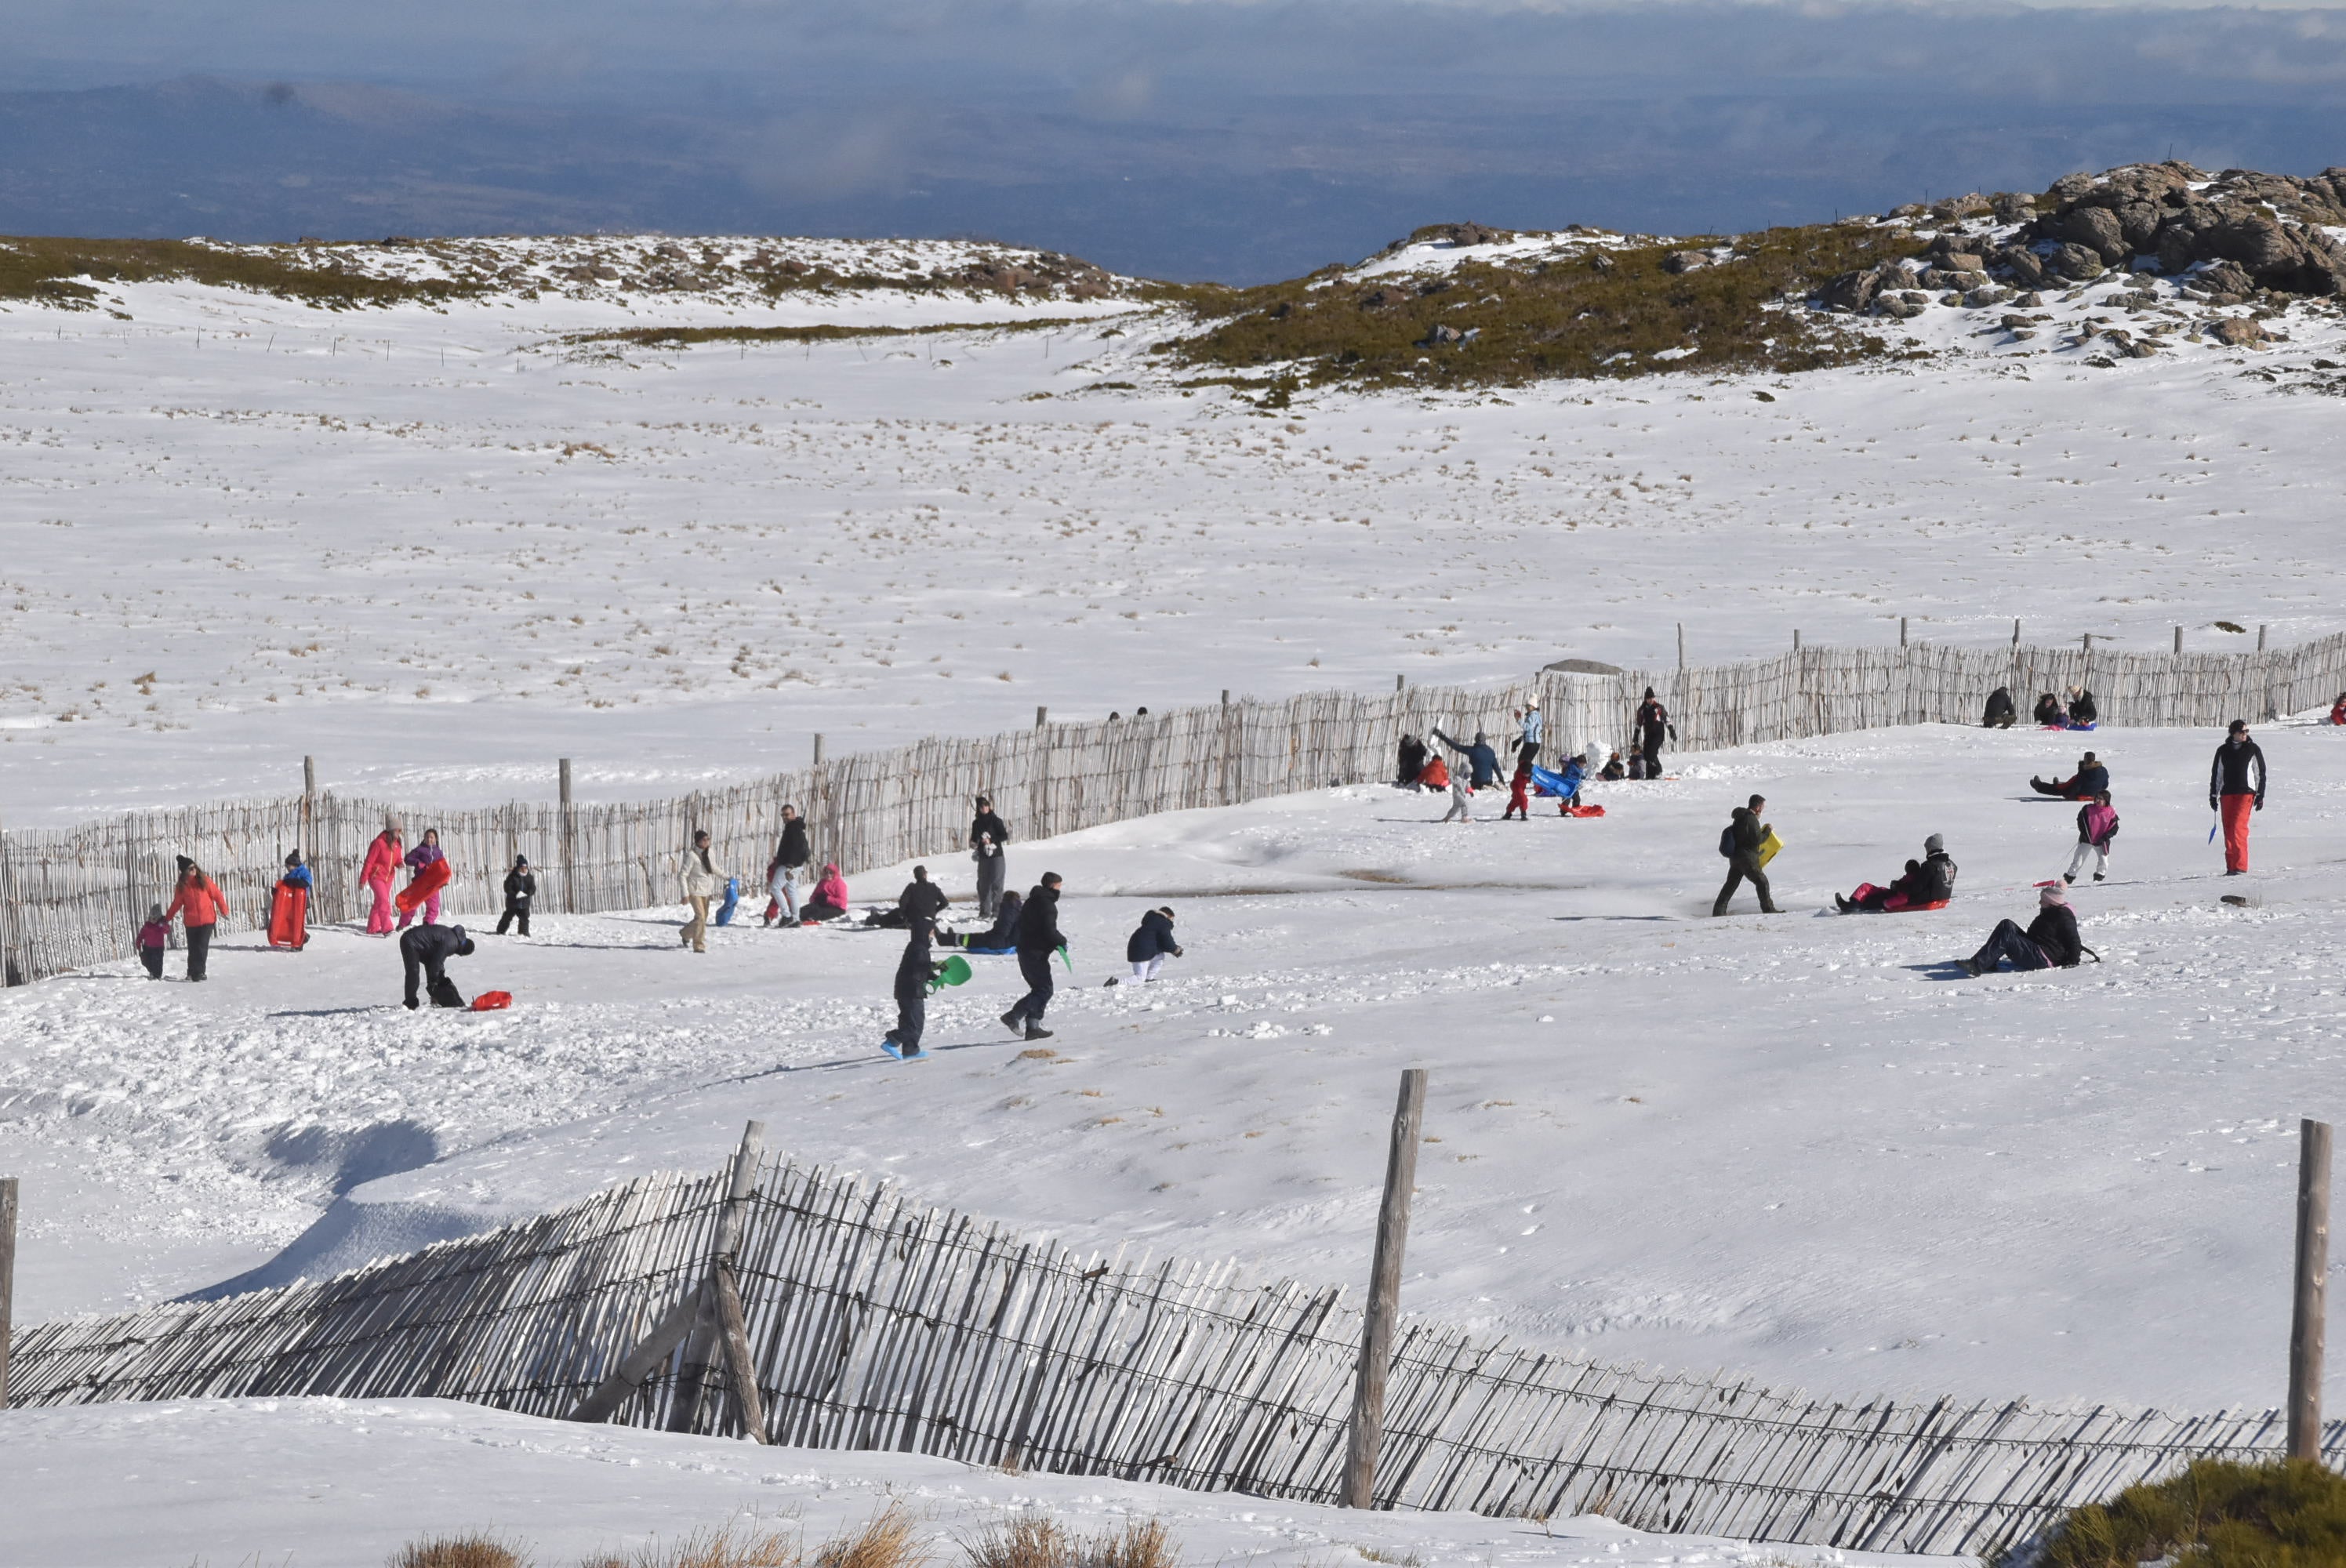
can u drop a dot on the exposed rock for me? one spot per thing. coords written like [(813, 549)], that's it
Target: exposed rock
[(1443, 335), (1955, 208), (2074, 262), (2069, 187), (2238, 331), (2012, 206), (1379, 299), (1988, 295), (2032, 301), (1903, 306), (2094, 228), (1852, 290), (2142, 349), (1685, 260), (1964, 262)]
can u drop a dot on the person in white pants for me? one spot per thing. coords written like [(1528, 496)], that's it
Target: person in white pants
[(1462, 799), (1151, 946), (2097, 824)]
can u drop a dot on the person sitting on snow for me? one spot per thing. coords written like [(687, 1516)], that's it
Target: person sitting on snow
[(1613, 768), (2048, 712), (2082, 709), (2000, 711), (1412, 762), (2090, 779), (2051, 941), (1927, 882), (1435, 776), (830, 901), (425, 949), (2338, 709), (1002, 938)]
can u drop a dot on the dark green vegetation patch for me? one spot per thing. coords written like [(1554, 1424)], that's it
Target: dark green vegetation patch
[(49, 270), (2215, 1514), (1599, 313)]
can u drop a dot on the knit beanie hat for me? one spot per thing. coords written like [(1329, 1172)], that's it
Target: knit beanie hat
[(2049, 897), (1936, 844)]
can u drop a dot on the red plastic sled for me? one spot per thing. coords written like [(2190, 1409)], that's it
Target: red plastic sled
[(1897, 903), (490, 1000), (1583, 811), (289, 917), (428, 880)]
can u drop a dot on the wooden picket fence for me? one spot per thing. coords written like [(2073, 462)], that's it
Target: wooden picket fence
[(876, 1323), (74, 897)]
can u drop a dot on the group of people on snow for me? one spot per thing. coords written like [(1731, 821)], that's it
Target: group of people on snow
[(2080, 711)]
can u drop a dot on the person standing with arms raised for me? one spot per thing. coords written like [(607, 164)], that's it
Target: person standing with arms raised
[(2235, 787), (986, 837)]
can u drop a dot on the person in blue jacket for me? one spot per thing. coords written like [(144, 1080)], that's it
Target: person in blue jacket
[(1152, 944), (1481, 758)]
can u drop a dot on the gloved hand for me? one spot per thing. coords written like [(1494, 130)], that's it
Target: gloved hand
[(2211, 802)]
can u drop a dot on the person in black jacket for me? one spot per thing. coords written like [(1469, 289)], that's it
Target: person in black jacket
[(521, 886), (790, 857), (2000, 709), (1745, 832), (1038, 939), (1929, 880), (1653, 720), (2236, 785), (2051, 941), (921, 899), (1151, 946), (986, 837), (2082, 708), (1002, 938), (2049, 711), (425, 951), (914, 970), (2090, 779), (1412, 761)]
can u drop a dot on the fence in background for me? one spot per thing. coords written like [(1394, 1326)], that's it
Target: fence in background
[(73, 897), (874, 1323)]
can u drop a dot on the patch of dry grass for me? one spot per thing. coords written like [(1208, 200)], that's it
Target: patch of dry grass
[(1038, 1541), (469, 1551)]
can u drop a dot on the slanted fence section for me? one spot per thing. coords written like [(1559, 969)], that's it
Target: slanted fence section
[(875, 1323), (74, 897)]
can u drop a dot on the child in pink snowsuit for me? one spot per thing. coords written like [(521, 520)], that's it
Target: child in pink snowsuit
[(423, 855), (381, 866)]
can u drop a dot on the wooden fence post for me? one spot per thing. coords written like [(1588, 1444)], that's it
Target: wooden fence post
[(13, 967), (1796, 639), (1901, 631), (818, 748), (7, 1277), (2015, 632), (1041, 716), (1681, 647), (1401, 683), (2260, 639), (2306, 1315), (564, 832), (1368, 1426), (2178, 639), (712, 1336)]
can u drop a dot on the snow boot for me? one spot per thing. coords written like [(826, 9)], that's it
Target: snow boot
[(1015, 1020), (1037, 1032), (2069, 878), (1971, 968), (1841, 901)]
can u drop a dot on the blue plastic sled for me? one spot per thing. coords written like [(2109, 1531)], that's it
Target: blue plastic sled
[(732, 902), (1566, 783)]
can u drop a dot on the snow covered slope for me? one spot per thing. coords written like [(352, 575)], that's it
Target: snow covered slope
[(331, 1484), (438, 546), (1792, 1146)]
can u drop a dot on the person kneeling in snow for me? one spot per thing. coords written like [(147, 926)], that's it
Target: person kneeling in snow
[(2051, 941), (1927, 883), (1151, 946), (425, 951)]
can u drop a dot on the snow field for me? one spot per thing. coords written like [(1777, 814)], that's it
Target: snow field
[(1788, 1145), (436, 549), (333, 1483)]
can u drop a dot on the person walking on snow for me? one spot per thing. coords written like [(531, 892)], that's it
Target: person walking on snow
[(2231, 794), (986, 837), (198, 903), (424, 953), (2097, 824), (521, 886), (700, 881), (1480, 757), (1038, 939), (1462, 801), (914, 970), (1519, 794), (1740, 844), (425, 854), (2051, 941), (790, 856), (1653, 723), (1149, 947), (382, 867), (153, 938)]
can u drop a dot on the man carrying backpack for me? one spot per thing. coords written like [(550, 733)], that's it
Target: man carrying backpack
[(1740, 842)]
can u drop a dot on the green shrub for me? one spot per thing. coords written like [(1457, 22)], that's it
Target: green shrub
[(2290, 1514), (1599, 313), (33, 268)]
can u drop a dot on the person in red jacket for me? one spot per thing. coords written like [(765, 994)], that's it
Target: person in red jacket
[(199, 904), (1519, 794)]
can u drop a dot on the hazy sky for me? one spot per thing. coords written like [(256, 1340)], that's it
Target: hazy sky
[(1184, 138)]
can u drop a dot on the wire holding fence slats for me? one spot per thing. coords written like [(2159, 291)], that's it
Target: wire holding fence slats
[(74, 897), (879, 1324)]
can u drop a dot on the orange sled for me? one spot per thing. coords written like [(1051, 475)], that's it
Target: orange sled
[(428, 880), (289, 917)]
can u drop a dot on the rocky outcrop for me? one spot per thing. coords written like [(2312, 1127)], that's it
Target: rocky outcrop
[(2173, 217)]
